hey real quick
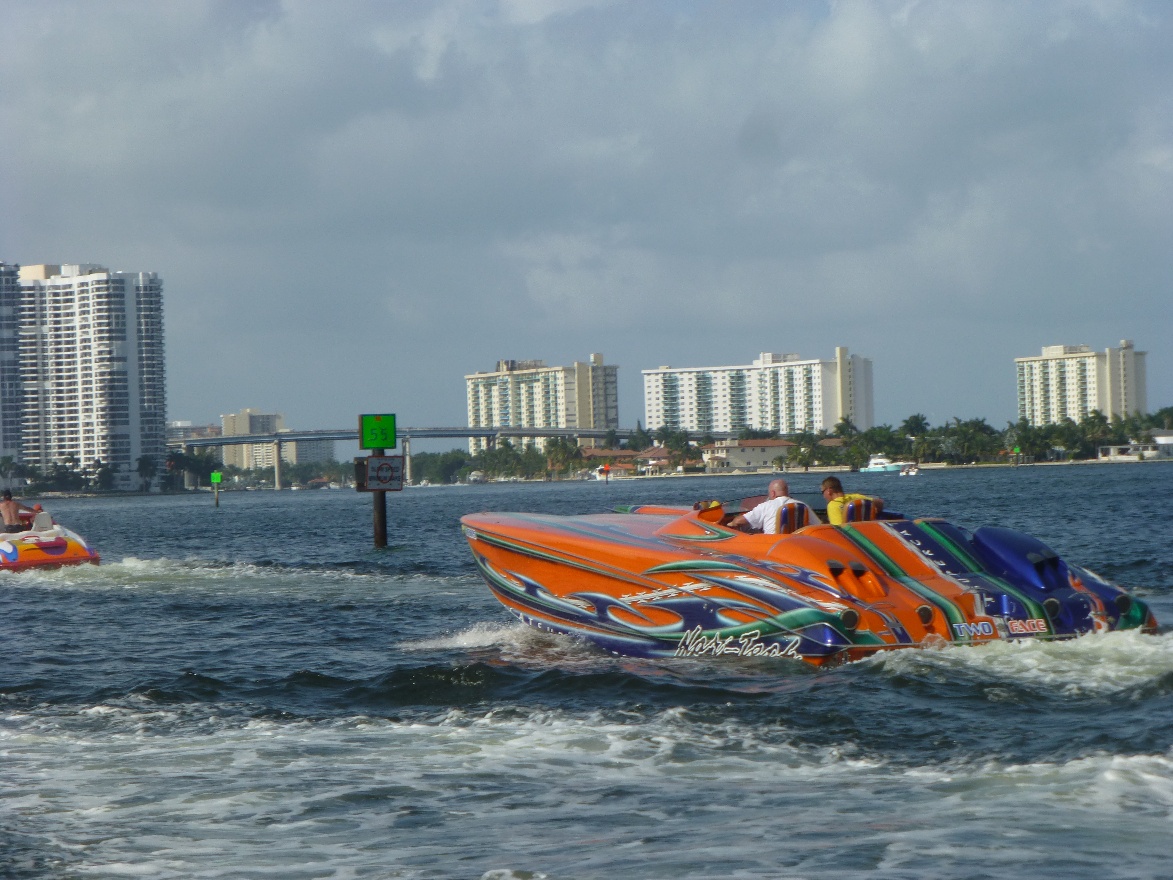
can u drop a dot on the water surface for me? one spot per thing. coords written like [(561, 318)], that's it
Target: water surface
[(252, 691)]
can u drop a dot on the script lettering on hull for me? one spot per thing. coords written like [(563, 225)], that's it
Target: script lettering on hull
[(695, 644)]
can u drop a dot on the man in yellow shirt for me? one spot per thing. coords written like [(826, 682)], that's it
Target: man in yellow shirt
[(837, 501)]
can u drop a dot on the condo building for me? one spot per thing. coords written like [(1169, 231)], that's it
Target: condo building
[(89, 359), (1069, 381), (777, 392), (250, 456), (529, 394), (11, 389)]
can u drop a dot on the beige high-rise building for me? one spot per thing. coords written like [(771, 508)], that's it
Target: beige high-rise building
[(1069, 381), (777, 392), (529, 394), (250, 456)]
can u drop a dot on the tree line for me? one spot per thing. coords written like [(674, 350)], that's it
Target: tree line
[(177, 470), (957, 441)]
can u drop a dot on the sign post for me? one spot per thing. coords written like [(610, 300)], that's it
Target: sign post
[(215, 477), (378, 473)]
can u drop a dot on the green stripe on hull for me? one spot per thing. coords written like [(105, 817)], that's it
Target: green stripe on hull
[(1035, 608), (953, 614)]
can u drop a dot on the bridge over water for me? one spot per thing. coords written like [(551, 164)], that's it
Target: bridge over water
[(405, 436)]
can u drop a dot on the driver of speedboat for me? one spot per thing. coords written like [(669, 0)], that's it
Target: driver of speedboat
[(764, 517), (11, 510)]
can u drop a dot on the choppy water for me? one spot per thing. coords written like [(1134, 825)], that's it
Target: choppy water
[(251, 691)]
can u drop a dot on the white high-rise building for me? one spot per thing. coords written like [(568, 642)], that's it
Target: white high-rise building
[(11, 389), (1069, 381), (777, 392), (528, 394), (92, 368)]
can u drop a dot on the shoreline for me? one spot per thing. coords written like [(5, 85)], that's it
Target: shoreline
[(822, 469)]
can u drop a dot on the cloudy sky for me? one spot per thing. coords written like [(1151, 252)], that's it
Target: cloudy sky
[(354, 204)]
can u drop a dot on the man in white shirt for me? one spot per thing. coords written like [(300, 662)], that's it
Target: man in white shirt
[(764, 517)]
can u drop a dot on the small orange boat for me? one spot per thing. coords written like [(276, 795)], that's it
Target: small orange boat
[(675, 582), (44, 543)]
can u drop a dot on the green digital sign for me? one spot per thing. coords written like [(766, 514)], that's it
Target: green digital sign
[(376, 431)]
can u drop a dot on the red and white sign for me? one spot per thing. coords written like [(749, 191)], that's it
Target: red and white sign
[(384, 473)]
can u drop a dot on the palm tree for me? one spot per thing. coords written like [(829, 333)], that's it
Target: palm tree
[(915, 425), (562, 453), (846, 428), (639, 439), (147, 468), (803, 453)]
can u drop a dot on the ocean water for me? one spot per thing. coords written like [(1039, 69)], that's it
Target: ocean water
[(252, 691)]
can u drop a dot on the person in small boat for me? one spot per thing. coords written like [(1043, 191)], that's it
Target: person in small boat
[(837, 500), (764, 517), (10, 510)]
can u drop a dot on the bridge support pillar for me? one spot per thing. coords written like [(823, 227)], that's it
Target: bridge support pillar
[(276, 464)]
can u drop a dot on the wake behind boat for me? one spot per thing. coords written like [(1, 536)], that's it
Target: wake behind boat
[(43, 543), (671, 582)]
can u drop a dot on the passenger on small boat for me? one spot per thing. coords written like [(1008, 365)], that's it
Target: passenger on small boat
[(837, 501), (10, 510), (764, 517)]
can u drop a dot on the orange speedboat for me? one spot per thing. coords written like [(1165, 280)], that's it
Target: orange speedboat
[(43, 543), (676, 582)]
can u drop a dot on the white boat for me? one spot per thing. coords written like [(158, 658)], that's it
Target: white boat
[(881, 464)]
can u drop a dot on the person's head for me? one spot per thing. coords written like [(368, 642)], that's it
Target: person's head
[(832, 488), (7, 494), (778, 489)]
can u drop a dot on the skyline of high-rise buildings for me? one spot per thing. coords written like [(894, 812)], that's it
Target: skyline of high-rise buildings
[(83, 380)]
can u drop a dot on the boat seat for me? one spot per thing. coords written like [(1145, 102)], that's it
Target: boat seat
[(42, 522), (861, 510), (791, 517)]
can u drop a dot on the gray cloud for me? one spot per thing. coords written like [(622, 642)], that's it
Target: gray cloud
[(353, 205)]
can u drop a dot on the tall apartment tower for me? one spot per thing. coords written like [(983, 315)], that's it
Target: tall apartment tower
[(777, 392), (11, 390), (1069, 381), (529, 394), (92, 368)]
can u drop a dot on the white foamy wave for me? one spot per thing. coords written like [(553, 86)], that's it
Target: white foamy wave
[(211, 793), (517, 644), (1105, 663), (168, 575), (480, 635)]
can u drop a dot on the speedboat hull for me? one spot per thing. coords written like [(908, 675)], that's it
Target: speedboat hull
[(664, 582), (47, 547)]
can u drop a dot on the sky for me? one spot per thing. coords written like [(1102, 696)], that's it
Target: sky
[(352, 205)]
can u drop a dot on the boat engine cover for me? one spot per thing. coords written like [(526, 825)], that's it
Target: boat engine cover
[(1020, 558)]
